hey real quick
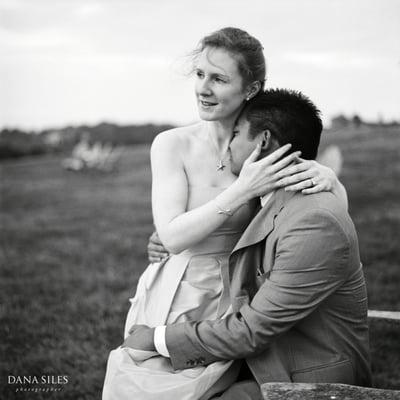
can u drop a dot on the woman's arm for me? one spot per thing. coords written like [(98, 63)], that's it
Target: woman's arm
[(293, 178), (179, 229)]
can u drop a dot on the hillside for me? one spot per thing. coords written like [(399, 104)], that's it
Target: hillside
[(74, 245)]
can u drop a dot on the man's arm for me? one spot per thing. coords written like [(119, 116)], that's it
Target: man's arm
[(309, 265)]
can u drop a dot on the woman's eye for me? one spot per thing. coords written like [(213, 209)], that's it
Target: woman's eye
[(199, 74), (220, 80)]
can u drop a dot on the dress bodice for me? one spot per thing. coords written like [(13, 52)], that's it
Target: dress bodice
[(203, 292)]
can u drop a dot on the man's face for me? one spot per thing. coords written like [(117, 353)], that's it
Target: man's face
[(242, 145)]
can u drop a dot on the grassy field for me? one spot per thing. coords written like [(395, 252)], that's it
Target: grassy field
[(74, 244)]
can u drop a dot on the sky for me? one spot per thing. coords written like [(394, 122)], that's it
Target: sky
[(70, 62)]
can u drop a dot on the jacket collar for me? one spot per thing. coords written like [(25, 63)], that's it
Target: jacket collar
[(263, 222)]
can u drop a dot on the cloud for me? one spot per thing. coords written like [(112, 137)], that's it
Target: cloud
[(333, 60), (35, 40), (11, 4), (73, 49), (89, 9)]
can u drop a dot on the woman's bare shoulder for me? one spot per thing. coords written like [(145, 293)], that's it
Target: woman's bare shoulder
[(177, 138)]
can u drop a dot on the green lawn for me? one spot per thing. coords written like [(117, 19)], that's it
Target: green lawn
[(74, 244)]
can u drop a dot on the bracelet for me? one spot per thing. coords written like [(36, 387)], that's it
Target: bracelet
[(227, 211)]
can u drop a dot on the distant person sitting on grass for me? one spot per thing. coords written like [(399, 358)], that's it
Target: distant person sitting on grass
[(102, 157)]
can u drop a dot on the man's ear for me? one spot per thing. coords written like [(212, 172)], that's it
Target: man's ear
[(269, 143), (266, 140)]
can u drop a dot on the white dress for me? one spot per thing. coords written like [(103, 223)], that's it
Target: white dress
[(190, 286)]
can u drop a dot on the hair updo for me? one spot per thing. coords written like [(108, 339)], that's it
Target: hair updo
[(246, 49)]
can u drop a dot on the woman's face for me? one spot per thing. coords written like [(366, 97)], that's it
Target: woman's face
[(219, 85)]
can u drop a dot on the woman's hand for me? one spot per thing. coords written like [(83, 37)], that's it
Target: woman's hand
[(258, 178), (156, 251), (308, 176)]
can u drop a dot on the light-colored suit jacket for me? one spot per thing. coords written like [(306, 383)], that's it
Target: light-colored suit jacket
[(298, 296)]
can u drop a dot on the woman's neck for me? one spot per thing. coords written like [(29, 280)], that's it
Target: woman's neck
[(221, 132)]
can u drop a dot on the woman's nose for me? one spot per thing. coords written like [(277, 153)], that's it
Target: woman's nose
[(203, 87)]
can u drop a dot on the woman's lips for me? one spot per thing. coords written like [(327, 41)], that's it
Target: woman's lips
[(207, 103)]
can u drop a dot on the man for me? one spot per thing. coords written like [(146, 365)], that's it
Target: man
[(297, 288)]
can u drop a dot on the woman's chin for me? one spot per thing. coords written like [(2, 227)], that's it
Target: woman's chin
[(216, 115), (207, 116)]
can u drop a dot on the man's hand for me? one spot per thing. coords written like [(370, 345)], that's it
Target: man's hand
[(141, 337), (155, 250)]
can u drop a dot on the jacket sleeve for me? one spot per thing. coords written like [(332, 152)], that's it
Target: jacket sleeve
[(310, 264)]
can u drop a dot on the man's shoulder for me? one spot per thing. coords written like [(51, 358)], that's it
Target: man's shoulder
[(325, 205), (318, 202), (317, 221)]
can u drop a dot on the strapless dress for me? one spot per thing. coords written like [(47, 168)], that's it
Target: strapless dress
[(190, 286)]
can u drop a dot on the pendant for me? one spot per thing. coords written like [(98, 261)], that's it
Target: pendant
[(221, 166)]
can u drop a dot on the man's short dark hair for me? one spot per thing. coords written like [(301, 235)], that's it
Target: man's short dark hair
[(290, 116)]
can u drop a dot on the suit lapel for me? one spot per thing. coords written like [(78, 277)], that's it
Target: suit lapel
[(246, 257), (263, 223)]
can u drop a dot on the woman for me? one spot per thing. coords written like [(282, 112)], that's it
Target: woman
[(200, 210)]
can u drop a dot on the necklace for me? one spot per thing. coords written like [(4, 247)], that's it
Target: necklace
[(220, 166)]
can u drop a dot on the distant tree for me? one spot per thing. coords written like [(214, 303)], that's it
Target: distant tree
[(339, 122), (357, 121), (16, 143)]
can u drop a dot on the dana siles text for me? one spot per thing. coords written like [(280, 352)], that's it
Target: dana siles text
[(38, 380)]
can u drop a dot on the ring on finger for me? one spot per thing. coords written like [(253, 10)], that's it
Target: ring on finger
[(313, 183)]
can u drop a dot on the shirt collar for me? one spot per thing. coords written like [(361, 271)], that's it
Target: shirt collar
[(264, 199)]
